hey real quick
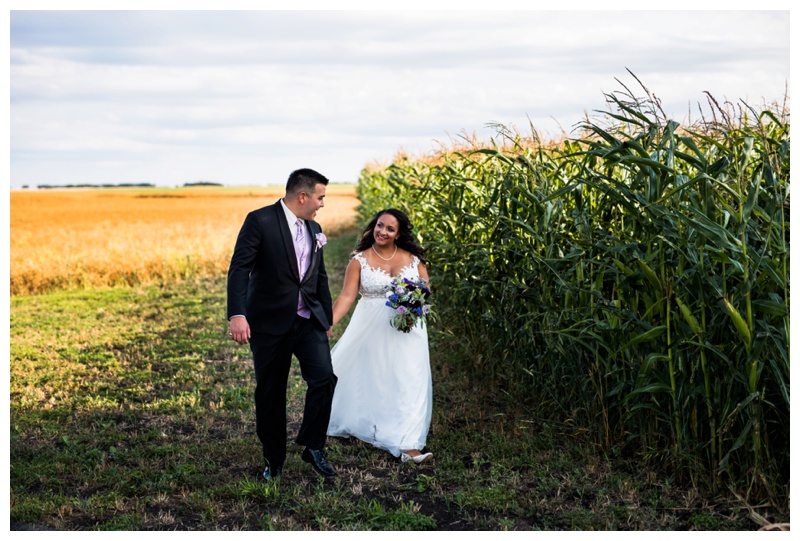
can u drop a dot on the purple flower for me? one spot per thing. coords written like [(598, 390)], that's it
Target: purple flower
[(401, 309)]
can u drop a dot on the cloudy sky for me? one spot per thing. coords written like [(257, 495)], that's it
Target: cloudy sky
[(245, 97)]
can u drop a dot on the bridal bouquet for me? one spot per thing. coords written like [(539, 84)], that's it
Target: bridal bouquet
[(409, 299)]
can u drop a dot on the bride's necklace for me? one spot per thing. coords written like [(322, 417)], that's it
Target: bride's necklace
[(384, 258)]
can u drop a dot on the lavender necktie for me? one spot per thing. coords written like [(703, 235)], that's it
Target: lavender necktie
[(300, 250)]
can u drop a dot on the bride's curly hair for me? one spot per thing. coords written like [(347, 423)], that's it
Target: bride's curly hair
[(405, 238)]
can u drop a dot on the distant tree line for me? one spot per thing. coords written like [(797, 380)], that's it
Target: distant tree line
[(123, 185)]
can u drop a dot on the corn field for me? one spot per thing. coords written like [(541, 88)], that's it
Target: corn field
[(633, 281)]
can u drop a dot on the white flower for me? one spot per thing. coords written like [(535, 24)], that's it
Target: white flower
[(322, 240)]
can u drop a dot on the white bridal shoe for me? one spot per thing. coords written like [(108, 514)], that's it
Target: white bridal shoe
[(419, 459)]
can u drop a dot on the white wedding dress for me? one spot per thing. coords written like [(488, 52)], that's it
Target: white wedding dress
[(384, 393)]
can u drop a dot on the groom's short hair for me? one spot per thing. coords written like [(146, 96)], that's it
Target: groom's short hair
[(304, 180)]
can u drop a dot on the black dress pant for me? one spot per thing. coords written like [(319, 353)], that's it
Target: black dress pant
[(272, 358)]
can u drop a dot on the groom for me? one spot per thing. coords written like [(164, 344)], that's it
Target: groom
[(279, 301)]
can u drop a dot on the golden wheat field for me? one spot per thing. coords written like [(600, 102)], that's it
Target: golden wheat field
[(76, 238)]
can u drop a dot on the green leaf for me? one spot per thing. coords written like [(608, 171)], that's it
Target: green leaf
[(772, 308), (652, 388), (650, 275), (652, 334)]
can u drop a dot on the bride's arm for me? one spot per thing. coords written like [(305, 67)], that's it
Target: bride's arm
[(352, 277), (423, 273)]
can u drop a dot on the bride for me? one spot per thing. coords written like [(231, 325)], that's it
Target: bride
[(384, 393)]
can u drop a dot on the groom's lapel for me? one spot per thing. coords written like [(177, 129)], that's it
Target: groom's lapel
[(314, 249), (286, 235)]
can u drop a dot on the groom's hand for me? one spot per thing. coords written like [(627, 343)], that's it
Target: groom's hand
[(239, 329)]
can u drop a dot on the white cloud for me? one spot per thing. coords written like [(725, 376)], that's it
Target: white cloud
[(238, 97)]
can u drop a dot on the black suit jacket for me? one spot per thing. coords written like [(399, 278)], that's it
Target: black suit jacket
[(263, 279)]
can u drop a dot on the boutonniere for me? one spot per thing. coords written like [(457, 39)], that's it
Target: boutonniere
[(322, 240)]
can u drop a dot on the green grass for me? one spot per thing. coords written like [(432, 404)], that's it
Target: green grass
[(131, 410)]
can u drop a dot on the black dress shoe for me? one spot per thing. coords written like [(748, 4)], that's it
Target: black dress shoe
[(270, 472), (319, 462)]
